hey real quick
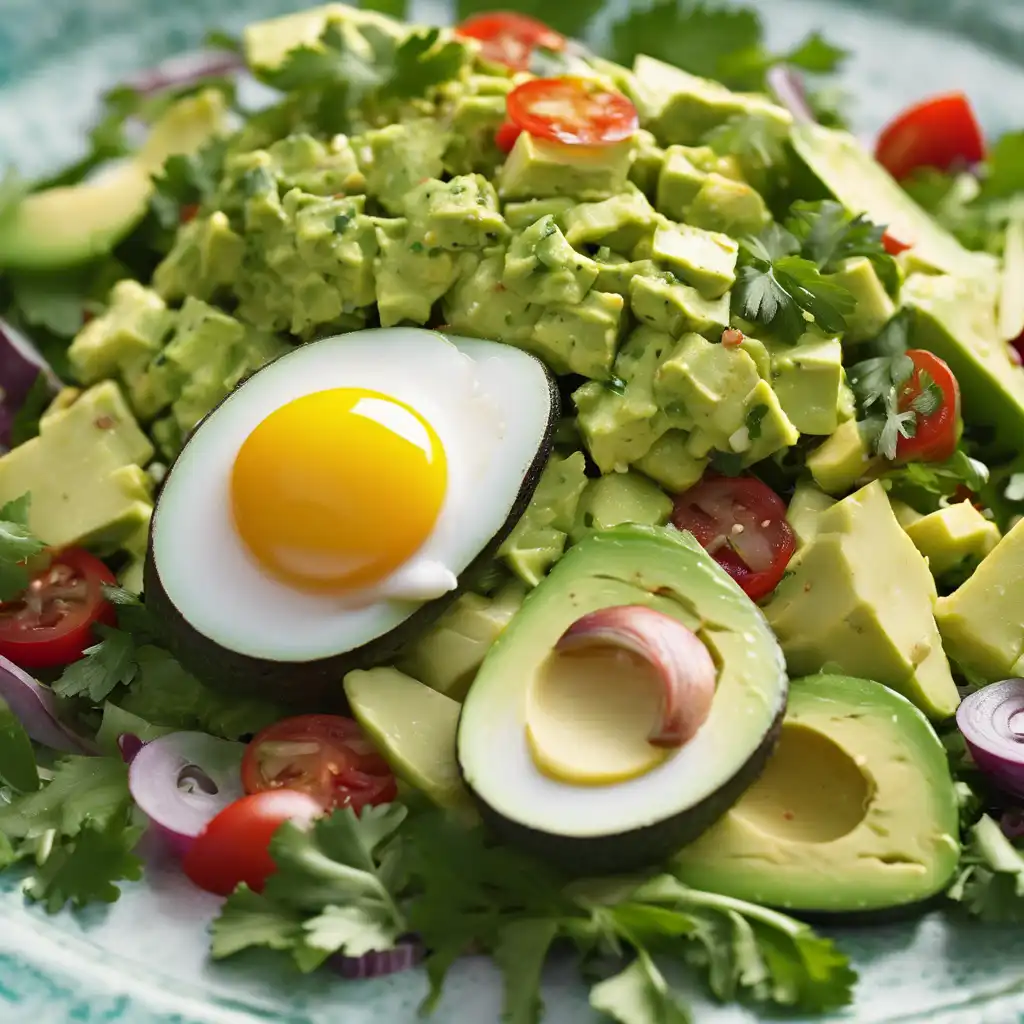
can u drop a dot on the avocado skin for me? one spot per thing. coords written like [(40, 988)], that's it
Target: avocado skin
[(640, 848), (316, 685)]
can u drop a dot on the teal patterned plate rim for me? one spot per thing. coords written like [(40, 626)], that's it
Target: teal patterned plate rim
[(143, 960)]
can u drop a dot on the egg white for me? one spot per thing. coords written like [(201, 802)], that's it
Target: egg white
[(490, 407)]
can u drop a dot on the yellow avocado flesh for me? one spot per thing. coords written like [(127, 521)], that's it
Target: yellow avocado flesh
[(855, 810), (588, 716)]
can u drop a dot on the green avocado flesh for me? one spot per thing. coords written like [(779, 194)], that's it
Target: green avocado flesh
[(626, 824), (855, 810)]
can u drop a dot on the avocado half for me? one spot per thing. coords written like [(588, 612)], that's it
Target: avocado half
[(855, 812), (631, 824), (316, 684)]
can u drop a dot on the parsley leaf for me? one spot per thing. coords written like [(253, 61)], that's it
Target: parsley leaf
[(1003, 174), (17, 545), (817, 55), (18, 771), (520, 952), (639, 995), (218, 39), (187, 179), (420, 63), (248, 919), (876, 384), (929, 401), (108, 664), (757, 142), (753, 421), (991, 883)]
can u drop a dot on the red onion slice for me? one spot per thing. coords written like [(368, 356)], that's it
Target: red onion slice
[(992, 722), (406, 955), (677, 655), (20, 366), (35, 707), (183, 780), (186, 69), (129, 744), (787, 86)]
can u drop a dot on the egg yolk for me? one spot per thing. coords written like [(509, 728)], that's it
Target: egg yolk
[(335, 490)]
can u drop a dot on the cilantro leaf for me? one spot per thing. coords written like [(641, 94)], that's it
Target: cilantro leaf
[(17, 545), (817, 55), (249, 919), (218, 39), (757, 142), (353, 930), (25, 424), (991, 883), (520, 952), (639, 995), (753, 421), (930, 399), (108, 664), (18, 771), (876, 384), (187, 180), (1004, 168), (421, 63)]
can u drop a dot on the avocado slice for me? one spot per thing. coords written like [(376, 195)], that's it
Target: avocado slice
[(624, 825), (855, 811), (862, 185), (62, 227)]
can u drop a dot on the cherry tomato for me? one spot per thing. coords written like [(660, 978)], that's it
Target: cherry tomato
[(938, 132), (51, 623), (510, 39), (233, 847), (936, 434), (572, 111), (188, 212), (326, 756), (505, 137), (893, 246), (741, 523)]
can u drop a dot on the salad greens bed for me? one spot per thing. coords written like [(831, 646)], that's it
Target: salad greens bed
[(402, 874)]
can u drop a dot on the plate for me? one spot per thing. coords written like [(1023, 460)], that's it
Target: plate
[(142, 960)]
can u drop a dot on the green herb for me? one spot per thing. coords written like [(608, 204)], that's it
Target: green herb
[(726, 463), (783, 291), (17, 545), (25, 424), (18, 771), (926, 485), (753, 421), (191, 179), (1003, 173), (991, 882), (218, 39), (930, 400), (876, 384), (1015, 488), (758, 142), (105, 666), (342, 221), (616, 385), (12, 190), (416, 247)]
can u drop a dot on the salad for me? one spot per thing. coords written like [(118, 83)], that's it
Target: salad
[(493, 497)]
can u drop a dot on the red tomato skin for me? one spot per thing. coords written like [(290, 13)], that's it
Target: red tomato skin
[(589, 116), (756, 496), (346, 771), (64, 643), (936, 437), (937, 132), (508, 38), (893, 246), (505, 137), (234, 846)]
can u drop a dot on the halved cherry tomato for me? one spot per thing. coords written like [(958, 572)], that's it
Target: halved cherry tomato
[(573, 111), (935, 436), (508, 38), (233, 847), (326, 756), (938, 132), (893, 246), (741, 523), (505, 137), (51, 623)]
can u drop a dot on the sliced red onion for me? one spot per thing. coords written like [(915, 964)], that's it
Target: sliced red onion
[(677, 655), (35, 707), (20, 367), (406, 955), (183, 780), (1012, 824), (787, 86), (129, 744), (992, 722), (186, 69)]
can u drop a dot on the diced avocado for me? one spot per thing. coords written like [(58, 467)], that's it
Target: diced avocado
[(805, 508), (458, 214), (665, 303), (647, 163), (128, 334), (620, 426), (542, 266), (448, 655), (619, 498), (331, 169), (474, 120), (409, 277), (581, 338), (538, 540), (841, 460), (980, 621), (953, 535), (955, 319), (730, 206), (618, 826), (670, 463), (855, 811), (679, 182), (537, 168), (207, 256), (69, 225), (83, 473), (615, 273), (521, 215), (413, 728), (766, 427), (905, 515), (480, 306), (875, 307), (704, 259), (807, 377), (860, 183), (395, 159), (860, 599), (619, 222), (682, 108)]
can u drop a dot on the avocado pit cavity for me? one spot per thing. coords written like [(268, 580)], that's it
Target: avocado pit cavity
[(622, 688)]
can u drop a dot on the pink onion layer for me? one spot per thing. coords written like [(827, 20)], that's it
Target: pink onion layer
[(992, 722), (35, 706), (406, 955)]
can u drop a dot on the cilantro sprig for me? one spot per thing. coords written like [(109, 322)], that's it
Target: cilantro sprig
[(990, 885), (17, 546), (355, 884)]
